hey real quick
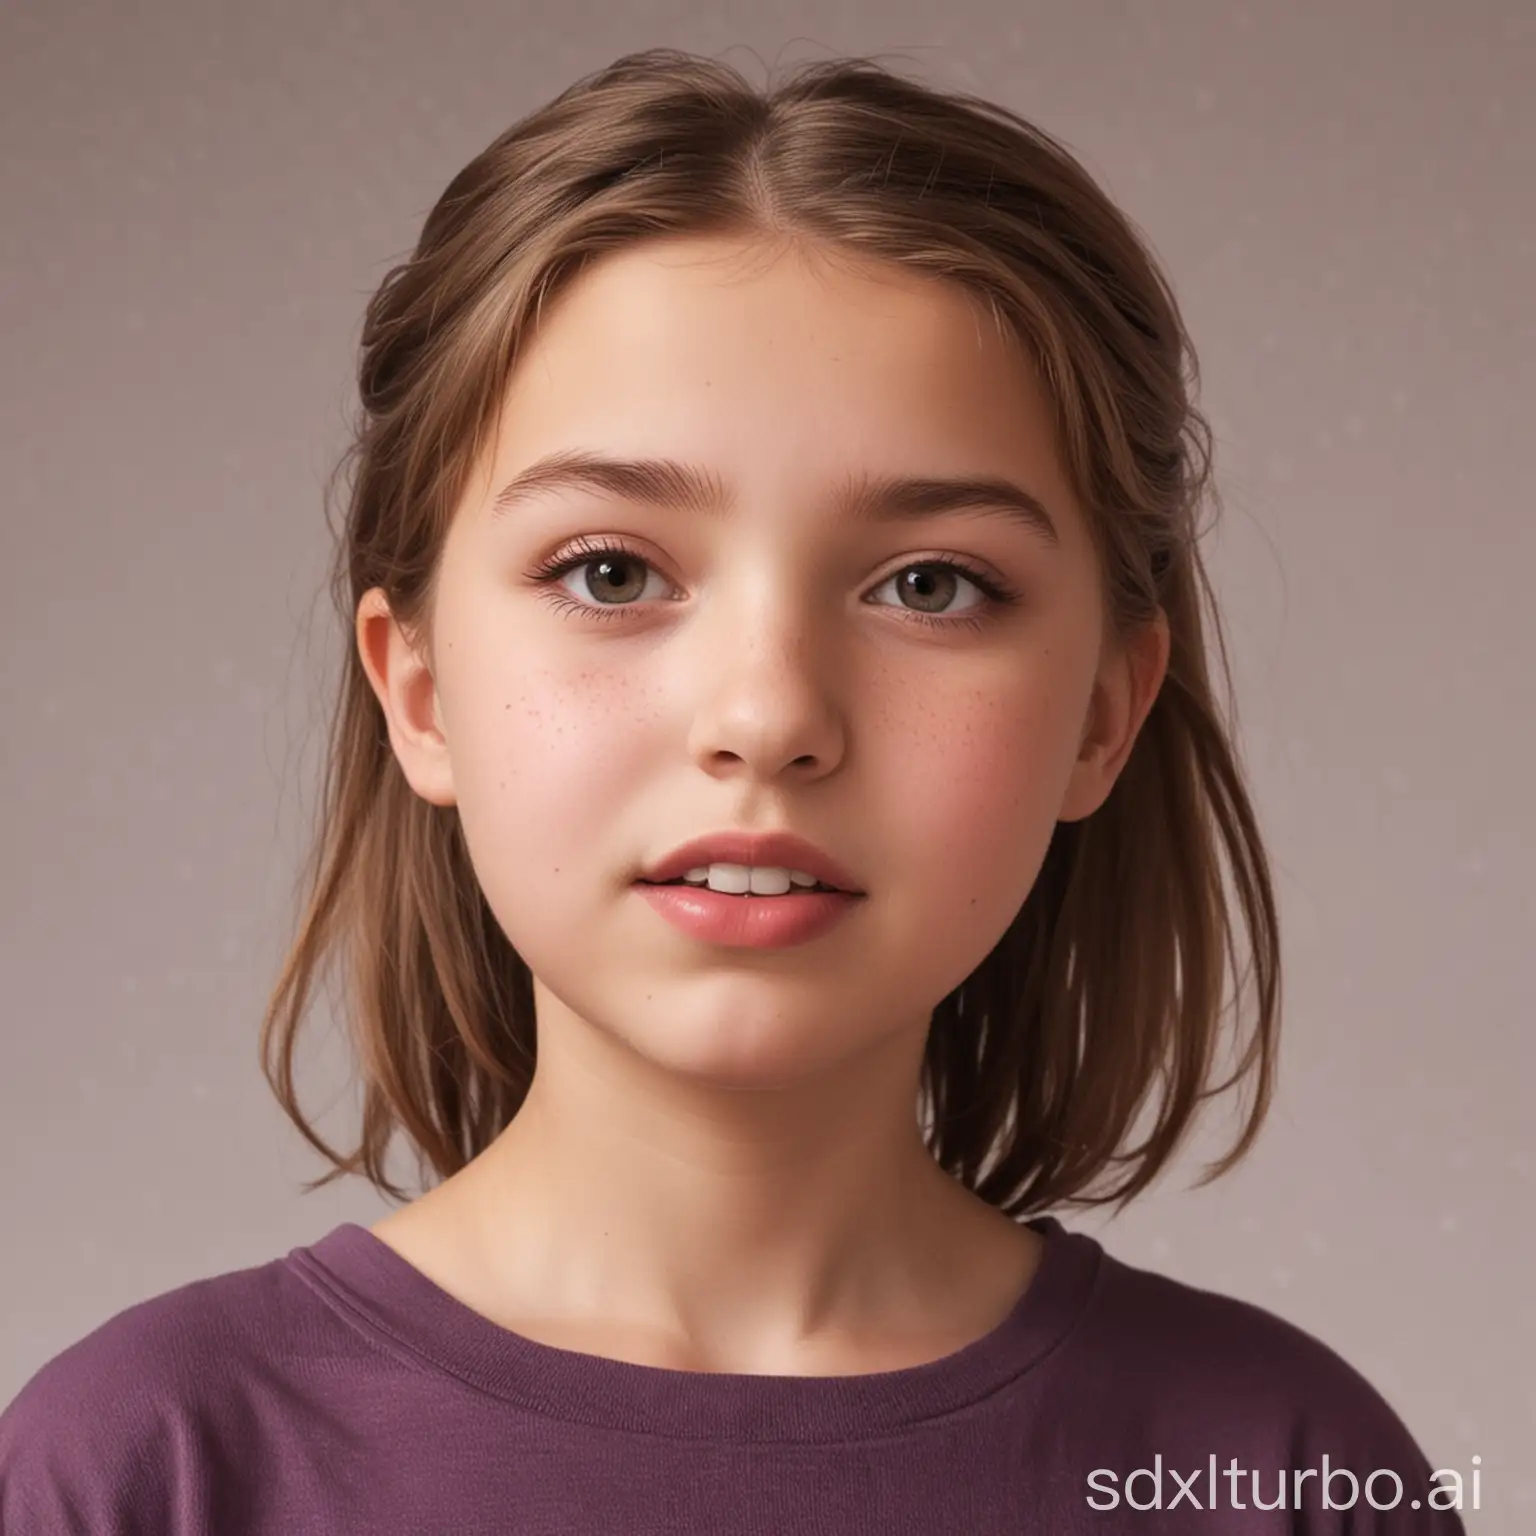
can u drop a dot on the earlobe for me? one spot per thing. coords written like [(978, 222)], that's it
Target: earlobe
[(1091, 779), (407, 696), (1122, 699)]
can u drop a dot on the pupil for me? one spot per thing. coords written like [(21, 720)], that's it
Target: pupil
[(924, 580), (607, 566)]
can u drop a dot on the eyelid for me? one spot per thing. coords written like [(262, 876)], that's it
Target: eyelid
[(584, 547), (998, 596)]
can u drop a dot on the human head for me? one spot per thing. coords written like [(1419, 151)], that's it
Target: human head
[(1042, 1055)]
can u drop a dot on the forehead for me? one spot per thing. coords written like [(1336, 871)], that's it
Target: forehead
[(783, 371), (700, 309)]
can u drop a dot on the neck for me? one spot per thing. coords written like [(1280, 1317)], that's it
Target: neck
[(787, 1229)]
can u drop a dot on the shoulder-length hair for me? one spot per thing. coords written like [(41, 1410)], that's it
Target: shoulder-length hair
[(1068, 1067)]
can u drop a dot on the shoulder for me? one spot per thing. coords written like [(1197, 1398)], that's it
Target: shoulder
[(1199, 1375), (111, 1434), (1222, 1349), (1231, 1349)]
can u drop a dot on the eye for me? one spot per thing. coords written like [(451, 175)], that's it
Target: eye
[(933, 584), (614, 579)]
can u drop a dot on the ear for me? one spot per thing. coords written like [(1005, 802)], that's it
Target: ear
[(407, 693), (1126, 688)]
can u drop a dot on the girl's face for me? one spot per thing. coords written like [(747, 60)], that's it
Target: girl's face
[(776, 665)]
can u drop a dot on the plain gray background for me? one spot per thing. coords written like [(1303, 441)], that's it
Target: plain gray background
[(196, 201)]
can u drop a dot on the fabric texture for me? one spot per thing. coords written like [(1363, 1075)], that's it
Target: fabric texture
[(338, 1390)]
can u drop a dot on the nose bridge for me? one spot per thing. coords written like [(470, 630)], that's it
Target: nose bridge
[(766, 671)]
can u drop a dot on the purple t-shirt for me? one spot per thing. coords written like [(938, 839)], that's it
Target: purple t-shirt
[(339, 1390)]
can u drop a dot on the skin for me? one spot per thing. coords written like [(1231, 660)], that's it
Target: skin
[(718, 1166)]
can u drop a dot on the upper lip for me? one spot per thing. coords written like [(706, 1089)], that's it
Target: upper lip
[(783, 850)]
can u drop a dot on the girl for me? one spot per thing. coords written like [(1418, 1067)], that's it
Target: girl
[(774, 836)]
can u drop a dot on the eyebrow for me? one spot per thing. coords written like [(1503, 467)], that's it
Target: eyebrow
[(860, 497)]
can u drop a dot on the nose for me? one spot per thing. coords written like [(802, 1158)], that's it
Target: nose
[(767, 691)]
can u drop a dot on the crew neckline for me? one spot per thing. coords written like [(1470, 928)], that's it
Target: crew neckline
[(382, 1293)]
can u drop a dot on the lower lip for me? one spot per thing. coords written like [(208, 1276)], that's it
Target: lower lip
[(749, 922)]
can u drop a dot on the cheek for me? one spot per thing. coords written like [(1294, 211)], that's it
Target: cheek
[(541, 761), (979, 779)]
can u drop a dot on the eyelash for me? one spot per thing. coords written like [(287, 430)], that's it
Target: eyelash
[(586, 551)]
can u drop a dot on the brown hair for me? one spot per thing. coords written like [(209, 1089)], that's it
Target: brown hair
[(1069, 1065)]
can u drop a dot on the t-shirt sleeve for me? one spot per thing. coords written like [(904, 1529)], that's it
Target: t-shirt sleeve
[(1355, 1467), (88, 1449), (1210, 1409)]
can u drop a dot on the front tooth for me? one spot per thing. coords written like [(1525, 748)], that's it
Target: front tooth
[(769, 882), (732, 879), (742, 879)]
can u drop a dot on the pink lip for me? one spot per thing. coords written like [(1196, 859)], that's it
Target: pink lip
[(781, 849), (749, 922)]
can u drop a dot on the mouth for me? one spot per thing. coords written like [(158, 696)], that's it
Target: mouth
[(733, 853), (748, 919), (818, 889)]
